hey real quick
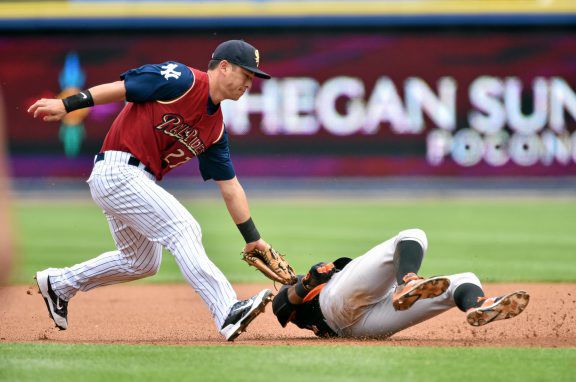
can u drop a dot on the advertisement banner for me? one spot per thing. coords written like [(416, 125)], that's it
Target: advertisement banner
[(340, 103)]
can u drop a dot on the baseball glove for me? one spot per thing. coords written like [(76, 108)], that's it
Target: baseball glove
[(272, 265)]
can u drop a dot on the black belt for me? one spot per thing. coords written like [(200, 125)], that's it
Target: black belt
[(133, 161)]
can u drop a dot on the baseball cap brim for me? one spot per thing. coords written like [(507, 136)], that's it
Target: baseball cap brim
[(257, 72)]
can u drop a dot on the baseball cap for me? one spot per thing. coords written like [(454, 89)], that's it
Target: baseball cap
[(240, 53)]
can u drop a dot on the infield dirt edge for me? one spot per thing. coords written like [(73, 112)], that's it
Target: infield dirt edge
[(173, 314)]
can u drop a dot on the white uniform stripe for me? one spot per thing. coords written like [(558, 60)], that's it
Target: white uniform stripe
[(143, 217)]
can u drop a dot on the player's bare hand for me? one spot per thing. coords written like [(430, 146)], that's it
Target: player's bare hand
[(49, 109), (259, 244)]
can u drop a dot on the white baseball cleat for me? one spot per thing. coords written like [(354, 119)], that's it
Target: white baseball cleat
[(243, 313), (57, 308), (498, 308)]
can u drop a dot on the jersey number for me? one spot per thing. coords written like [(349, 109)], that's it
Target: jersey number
[(175, 159)]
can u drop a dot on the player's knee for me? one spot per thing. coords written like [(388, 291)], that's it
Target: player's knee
[(464, 278), (148, 271), (191, 227), (414, 234), (148, 264), (152, 268), (183, 234)]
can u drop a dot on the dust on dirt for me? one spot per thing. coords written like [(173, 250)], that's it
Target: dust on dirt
[(175, 315)]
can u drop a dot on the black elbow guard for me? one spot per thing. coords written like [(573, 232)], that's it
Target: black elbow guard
[(282, 308)]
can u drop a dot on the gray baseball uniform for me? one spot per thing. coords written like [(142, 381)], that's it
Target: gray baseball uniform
[(357, 301)]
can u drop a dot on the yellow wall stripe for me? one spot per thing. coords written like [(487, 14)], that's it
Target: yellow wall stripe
[(63, 9)]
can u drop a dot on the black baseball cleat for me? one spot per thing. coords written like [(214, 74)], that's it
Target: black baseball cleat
[(57, 308), (243, 313)]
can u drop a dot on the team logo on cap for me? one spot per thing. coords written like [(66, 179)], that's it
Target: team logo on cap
[(257, 57)]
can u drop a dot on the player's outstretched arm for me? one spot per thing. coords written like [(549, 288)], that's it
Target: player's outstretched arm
[(108, 93), (55, 109), (256, 252), (237, 205)]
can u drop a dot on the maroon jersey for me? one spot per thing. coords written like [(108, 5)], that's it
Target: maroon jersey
[(166, 134)]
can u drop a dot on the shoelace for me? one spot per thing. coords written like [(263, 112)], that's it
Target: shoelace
[(236, 307)]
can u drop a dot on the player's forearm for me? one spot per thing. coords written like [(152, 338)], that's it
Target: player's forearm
[(97, 95), (107, 93), (55, 109), (237, 204), (293, 296), (235, 199)]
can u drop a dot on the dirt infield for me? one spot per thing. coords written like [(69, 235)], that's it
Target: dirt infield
[(175, 315)]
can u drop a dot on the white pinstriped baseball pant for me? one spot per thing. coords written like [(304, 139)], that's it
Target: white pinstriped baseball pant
[(143, 218)]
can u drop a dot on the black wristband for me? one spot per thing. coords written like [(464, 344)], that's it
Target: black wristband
[(248, 231), (78, 101), (301, 289)]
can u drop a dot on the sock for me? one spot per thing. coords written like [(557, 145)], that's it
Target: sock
[(466, 296), (407, 258)]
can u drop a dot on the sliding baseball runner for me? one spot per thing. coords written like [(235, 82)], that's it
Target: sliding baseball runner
[(379, 293)]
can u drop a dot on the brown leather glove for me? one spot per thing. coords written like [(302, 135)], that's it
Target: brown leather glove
[(272, 265)]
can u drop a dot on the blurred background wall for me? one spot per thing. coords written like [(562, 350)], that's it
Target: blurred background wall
[(371, 89), (6, 245)]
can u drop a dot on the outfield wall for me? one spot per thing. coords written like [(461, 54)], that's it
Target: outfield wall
[(421, 92)]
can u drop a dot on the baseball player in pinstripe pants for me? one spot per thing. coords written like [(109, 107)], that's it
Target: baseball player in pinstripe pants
[(172, 114)]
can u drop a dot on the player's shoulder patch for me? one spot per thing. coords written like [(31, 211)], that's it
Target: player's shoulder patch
[(183, 79), (157, 82), (173, 70)]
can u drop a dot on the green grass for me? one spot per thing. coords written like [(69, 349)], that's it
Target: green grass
[(525, 240), (499, 240), (61, 363)]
